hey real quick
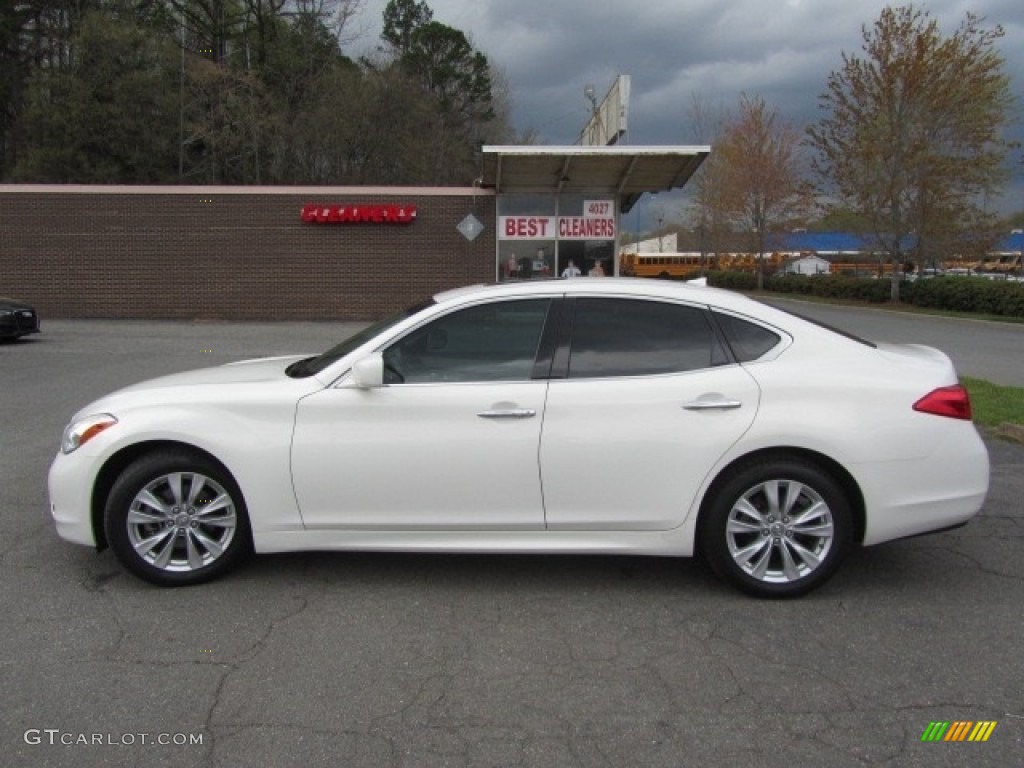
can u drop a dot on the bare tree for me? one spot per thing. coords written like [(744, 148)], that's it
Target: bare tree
[(912, 139), (335, 15), (759, 175), (707, 124)]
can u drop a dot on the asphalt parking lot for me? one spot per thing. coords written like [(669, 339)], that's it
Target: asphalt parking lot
[(399, 660)]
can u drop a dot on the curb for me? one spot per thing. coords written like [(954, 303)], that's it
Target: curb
[(1012, 432)]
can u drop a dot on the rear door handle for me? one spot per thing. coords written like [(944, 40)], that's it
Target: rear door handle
[(508, 413), (717, 404)]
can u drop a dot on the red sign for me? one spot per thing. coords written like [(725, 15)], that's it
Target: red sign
[(527, 227), (357, 213), (585, 228), (561, 227)]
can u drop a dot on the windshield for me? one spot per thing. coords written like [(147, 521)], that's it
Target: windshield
[(313, 365)]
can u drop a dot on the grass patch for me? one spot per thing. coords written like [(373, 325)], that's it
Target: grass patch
[(993, 404)]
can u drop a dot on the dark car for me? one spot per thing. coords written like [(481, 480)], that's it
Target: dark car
[(17, 319)]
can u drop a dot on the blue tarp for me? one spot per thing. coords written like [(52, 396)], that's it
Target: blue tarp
[(845, 242), (823, 242), (1014, 242)]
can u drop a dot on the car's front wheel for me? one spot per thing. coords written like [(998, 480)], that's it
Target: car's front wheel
[(777, 528), (174, 518)]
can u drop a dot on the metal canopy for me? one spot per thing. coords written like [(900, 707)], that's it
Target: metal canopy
[(627, 172)]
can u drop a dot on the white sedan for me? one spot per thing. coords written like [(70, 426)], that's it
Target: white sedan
[(583, 415)]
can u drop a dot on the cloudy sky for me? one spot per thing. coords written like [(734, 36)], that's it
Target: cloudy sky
[(679, 50)]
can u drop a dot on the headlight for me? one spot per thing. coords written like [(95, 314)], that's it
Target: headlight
[(80, 432), (5, 313)]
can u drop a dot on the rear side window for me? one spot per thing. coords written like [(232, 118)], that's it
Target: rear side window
[(631, 337), (747, 340)]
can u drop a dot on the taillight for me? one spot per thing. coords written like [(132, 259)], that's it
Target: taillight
[(953, 402)]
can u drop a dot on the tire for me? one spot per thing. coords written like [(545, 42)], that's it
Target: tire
[(175, 518), (777, 528)]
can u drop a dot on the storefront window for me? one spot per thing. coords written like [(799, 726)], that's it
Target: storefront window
[(538, 235), (592, 257), (526, 260), (526, 236)]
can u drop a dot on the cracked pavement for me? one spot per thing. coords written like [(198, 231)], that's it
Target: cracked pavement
[(420, 660)]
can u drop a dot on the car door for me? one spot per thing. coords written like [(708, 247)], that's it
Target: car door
[(649, 402), (450, 441)]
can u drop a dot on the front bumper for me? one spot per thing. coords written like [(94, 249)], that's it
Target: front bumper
[(70, 483), (18, 322)]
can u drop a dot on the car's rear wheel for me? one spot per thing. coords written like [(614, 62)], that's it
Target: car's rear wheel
[(777, 528), (176, 518)]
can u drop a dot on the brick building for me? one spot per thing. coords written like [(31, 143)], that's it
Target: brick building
[(358, 253), (232, 253)]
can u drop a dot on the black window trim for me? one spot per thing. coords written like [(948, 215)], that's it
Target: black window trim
[(550, 339), (563, 345)]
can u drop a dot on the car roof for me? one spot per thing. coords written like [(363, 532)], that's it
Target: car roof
[(619, 286)]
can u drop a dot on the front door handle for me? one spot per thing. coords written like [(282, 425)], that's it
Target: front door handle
[(508, 413), (717, 404)]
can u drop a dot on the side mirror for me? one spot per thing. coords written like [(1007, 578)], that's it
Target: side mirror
[(368, 373)]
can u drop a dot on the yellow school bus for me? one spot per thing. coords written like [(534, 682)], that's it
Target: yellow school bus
[(681, 265), (689, 265)]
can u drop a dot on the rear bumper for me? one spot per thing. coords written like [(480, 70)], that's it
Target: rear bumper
[(948, 489)]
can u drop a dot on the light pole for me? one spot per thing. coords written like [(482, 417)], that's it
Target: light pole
[(595, 118)]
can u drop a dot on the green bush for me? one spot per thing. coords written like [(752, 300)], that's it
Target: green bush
[(960, 294), (824, 286), (734, 281), (970, 294)]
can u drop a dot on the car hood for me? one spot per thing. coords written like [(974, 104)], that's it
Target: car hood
[(6, 303), (242, 372), (203, 384)]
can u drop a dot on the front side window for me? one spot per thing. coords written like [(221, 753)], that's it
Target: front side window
[(487, 342), (630, 337), (311, 366)]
